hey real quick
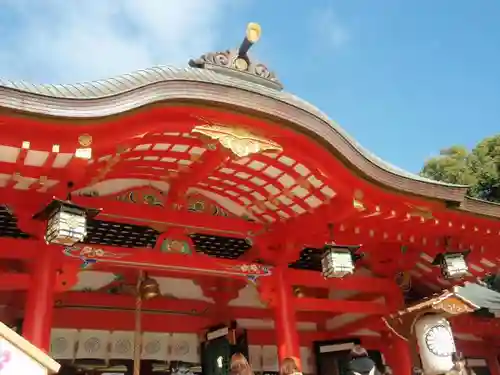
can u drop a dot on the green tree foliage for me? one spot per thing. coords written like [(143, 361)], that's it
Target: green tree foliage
[(479, 168)]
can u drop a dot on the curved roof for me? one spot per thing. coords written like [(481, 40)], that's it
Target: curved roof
[(160, 84)]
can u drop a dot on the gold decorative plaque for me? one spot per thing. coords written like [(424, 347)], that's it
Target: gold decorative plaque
[(238, 140)]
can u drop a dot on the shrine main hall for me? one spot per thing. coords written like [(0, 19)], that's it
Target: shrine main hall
[(165, 219)]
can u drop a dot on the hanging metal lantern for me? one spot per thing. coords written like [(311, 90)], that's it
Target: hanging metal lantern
[(453, 264), (338, 261), (149, 288), (66, 222)]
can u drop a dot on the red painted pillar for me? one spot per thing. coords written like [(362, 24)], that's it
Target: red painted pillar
[(397, 354), (40, 300), (493, 364), (285, 322)]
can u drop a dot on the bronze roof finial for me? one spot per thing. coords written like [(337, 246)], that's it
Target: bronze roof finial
[(252, 36)]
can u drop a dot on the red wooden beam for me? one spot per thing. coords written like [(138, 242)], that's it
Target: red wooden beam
[(124, 320), (130, 213), (371, 322), (11, 248), (198, 172), (111, 320), (151, 260), (14, 281), (340, 306), (476, 326), (179, 323), (196, 264), (126, 302), (142, 258), (362, 284), (98, 300), (268, 337), (199, 279), (476, 349), (137, 214)]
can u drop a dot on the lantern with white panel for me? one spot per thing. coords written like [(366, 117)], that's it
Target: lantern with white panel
[(453, 264), (66, 222), (436, 344), (338, 261)]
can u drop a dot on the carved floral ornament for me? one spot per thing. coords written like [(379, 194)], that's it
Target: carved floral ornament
[(229, 59)]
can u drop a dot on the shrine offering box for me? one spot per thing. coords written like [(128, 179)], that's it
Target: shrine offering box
[(18, 356)]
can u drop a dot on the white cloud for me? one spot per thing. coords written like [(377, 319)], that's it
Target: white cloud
[(330, 29), (75, 40)]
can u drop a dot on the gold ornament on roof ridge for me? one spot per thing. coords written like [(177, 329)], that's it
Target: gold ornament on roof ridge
[(239, 141)]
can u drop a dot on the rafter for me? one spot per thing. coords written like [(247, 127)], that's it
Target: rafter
[(198, 172), (283, 241)]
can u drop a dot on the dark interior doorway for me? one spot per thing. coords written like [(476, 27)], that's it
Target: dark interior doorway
[(332, 356), (479, 365)]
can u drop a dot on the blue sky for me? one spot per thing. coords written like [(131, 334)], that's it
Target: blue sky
[(404, 78)]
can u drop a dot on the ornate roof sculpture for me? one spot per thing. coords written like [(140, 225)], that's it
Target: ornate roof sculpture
[(238, 64)]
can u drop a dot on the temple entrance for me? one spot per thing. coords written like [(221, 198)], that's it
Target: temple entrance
[(333, 356), (216, 356), (479, 366)]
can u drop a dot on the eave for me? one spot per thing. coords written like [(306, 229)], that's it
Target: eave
[(96, 100)]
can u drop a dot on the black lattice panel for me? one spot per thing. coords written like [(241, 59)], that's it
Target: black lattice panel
[(8, 225), (220, 247), (122, 235), (310, 259)]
